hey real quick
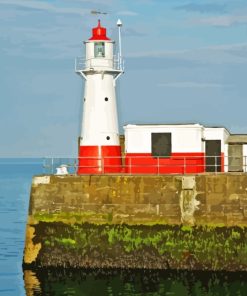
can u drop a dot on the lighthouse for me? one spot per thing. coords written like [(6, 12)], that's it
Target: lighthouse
[(99, 146)]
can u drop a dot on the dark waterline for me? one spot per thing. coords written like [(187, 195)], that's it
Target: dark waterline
[(134, 282), (15, 182)]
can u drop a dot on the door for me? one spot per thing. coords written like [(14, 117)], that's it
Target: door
[(235, 158), (213, 155)]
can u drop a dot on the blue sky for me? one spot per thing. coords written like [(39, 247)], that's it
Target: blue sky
[(185, 61)]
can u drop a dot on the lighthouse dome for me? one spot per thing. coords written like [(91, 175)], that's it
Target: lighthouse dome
[(99, 33)]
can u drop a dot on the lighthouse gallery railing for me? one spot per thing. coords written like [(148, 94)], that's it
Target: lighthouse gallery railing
[(81, 63), (142, 165)]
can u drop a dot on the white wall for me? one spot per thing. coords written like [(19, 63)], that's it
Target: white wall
[(185, 138), (99, 116), (245, 157)]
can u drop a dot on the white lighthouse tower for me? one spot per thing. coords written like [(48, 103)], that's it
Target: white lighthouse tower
[(99, 147)]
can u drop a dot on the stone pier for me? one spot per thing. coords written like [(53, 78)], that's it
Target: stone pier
[(142, 221)]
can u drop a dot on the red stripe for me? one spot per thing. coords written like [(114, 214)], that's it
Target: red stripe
[(107, 159), (177, 163), (99, 159)]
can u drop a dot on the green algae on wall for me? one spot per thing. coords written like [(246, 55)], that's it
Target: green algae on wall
[(135, 246), (95, 218)]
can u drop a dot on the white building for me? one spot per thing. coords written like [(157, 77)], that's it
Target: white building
[(181, 148)]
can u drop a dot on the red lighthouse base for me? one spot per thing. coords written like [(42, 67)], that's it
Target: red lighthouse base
[(99, 160)]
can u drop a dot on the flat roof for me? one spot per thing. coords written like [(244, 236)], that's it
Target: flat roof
[(164, 125), (238, 138), (172, 125)]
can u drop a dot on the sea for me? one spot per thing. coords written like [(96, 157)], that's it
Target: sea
[(15, 181)]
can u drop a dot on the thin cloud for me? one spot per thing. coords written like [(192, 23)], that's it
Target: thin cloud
[(131, 32), (45, 6), (191, 84), (127, 13), (203, 8), (221, 21), (218, 54)]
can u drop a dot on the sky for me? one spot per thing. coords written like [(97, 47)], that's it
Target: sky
[(185, 62)]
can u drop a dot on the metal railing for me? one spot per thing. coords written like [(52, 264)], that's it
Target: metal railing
[(81, 63), (145, 165)]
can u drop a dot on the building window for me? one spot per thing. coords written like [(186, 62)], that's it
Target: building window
[(161, 144), (99, 49)]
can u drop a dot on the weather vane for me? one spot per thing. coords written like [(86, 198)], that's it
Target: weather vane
[(96, 12)]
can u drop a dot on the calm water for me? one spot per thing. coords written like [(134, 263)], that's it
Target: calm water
[(15, 180)]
